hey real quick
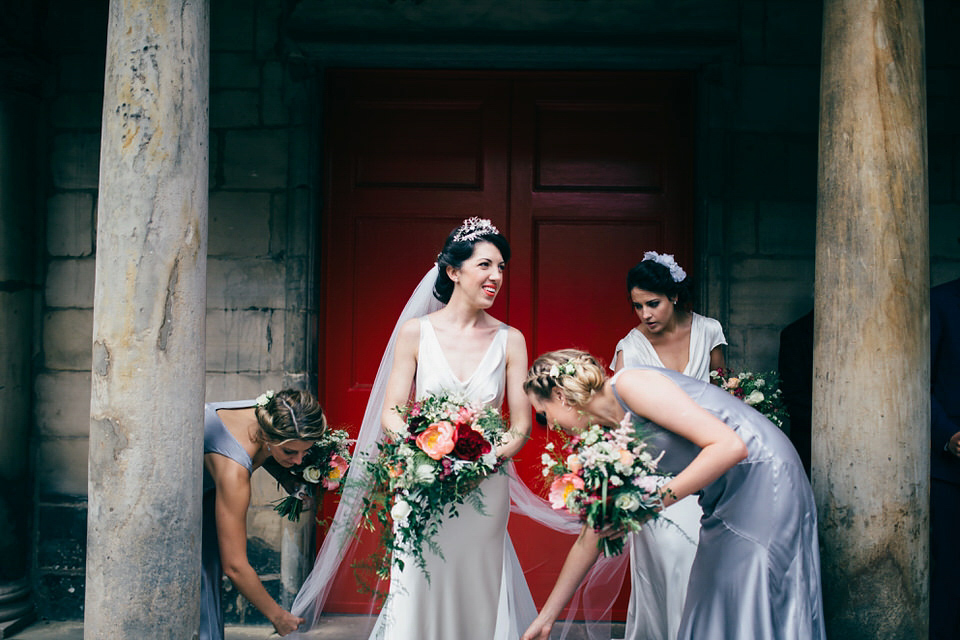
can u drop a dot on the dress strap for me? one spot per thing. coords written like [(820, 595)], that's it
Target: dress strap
[(613, 386)]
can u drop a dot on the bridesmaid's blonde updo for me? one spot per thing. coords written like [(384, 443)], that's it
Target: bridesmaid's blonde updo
[(576, 373), (290, 415)]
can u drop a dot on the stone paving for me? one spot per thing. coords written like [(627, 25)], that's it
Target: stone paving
[(336, 628)]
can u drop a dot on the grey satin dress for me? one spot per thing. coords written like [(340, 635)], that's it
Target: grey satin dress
[(216, 439), (756, 573)]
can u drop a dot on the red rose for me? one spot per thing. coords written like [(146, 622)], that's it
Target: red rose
[(471, 444)]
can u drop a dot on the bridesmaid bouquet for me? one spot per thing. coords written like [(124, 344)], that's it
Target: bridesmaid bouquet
[(322, 469), (608, 480), (759, 390), (449, 447)]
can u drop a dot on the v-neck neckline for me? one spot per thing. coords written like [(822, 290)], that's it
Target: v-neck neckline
[(446, 361)]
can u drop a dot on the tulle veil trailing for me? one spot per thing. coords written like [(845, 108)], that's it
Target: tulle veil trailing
[(339, 548)]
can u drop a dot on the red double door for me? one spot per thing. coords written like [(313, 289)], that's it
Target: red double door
[(582, 172)]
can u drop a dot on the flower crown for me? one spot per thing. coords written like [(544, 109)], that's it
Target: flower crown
[(567, 368), (666, 259), (264, 398), (473, 228)]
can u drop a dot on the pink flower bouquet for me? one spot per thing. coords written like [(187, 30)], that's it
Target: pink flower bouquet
[(449, 447), (608, 480), (322, 469)]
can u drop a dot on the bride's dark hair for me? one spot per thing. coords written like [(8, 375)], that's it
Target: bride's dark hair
[(456, 252)]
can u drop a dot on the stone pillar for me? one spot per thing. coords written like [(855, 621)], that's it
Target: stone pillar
[(871, 405), (18, 297), (143, 532)]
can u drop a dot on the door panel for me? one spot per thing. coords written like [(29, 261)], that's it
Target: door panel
[(581, 171)]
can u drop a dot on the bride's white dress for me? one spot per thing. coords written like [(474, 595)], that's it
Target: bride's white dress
[(476, 590)]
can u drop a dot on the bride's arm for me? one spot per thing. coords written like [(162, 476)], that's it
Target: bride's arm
[(517, 401), (401, 377), (581, 557), (654, 396)]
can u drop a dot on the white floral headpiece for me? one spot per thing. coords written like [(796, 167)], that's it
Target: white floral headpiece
[(264, 398), (567, 368), (666, 259), (473, 228)]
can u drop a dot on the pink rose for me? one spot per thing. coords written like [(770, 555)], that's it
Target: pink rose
[(438, 439), (561, 488), (465, 416), (338, 467), (648, 484)]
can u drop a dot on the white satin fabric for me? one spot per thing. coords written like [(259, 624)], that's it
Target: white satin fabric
[(661, 554), (471, 591)]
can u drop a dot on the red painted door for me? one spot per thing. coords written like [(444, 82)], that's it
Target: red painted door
[(582, 171)]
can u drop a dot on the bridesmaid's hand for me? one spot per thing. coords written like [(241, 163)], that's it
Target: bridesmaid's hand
[(285, 622), (539, 630)]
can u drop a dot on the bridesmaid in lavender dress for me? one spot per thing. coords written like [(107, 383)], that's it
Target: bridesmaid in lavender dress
[(756, 573)]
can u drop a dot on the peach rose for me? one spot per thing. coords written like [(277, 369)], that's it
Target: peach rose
[(573, 463), (338, 467), (626, 458), (438, 440), (562, 487)]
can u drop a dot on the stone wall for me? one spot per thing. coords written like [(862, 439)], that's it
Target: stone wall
[(260, 270), (755, 212)]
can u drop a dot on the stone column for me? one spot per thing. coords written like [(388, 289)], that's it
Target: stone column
[(143, 532), (18, 297), (871, 406)]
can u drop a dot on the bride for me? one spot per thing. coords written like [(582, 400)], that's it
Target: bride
[(476, 590)]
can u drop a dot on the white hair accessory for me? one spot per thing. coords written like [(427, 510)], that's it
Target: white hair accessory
[(666, 259), (473, 228), (264, 398)]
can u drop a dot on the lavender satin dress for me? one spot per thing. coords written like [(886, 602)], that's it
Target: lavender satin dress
[(756, 573)]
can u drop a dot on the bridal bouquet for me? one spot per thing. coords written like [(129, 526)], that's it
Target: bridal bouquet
[(449, 447), (759, 390), (608, 480), (322, 469)]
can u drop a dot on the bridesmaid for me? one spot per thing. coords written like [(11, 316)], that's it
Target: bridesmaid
[(757, 569), (668, 336), (239, 437)]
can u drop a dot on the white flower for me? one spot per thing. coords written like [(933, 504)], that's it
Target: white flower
[(490, 459), (548, 446), (264, 398), (554, 371), (755, 397), (401, 509), (616, 481), (627, 502), (667, 260), (425, 473), (312, 474), (545, 458)]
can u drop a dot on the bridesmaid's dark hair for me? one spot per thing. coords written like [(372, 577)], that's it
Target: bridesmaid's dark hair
[(455, 252), (652, 276), (290, 415)]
